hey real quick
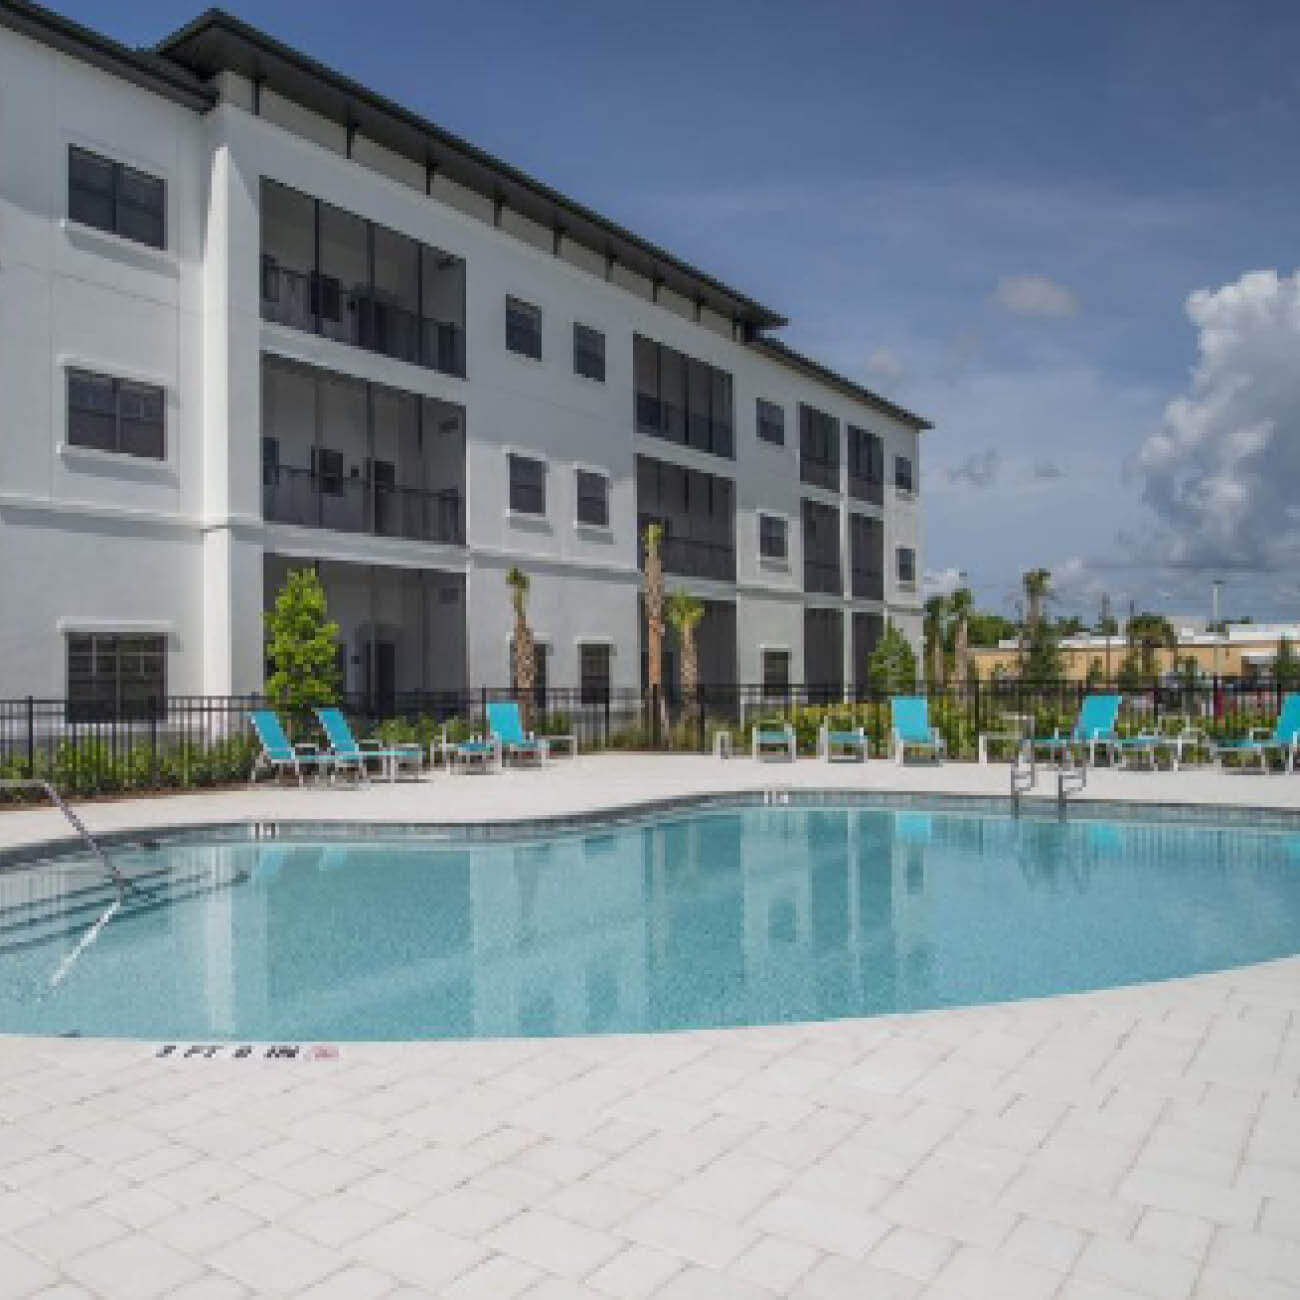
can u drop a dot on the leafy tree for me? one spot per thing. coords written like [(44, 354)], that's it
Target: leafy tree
[(891, 670), (1072, 625), (684, 612), (988, 629), (1038, 591), (302, 647), (522, 649), (1096, 671), (1107, 625), (1286, 664), (1042, 654), (1130, 672), (1188, 671)]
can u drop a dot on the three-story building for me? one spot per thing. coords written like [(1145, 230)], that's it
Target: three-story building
[(254, 316)]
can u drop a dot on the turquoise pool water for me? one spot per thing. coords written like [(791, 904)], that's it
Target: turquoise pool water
[(734, 916)]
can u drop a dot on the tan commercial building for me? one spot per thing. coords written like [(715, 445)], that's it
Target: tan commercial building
[(1246, 650)]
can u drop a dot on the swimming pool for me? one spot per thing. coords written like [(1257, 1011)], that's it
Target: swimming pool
[(731, 914)]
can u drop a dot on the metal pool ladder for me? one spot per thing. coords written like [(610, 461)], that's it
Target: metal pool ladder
[(1069, 780), (120, 882), (1023, 775)]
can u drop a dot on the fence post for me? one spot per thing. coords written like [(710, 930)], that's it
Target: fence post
[(153, 743), (31, 737), (483, 704)]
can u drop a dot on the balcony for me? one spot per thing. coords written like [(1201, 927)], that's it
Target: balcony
[(357, 505), (689, 557), (868, 584), (868, 489), (320, 305), (820, 473)]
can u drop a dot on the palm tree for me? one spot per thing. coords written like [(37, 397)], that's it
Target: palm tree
[(960, 604), (654, 617), (684, 612), (935, 609), (525, 661), (1038, 590)]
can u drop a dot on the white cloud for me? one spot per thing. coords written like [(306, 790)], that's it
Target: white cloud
[(884, 368), (1034, 295), (941, 582), (1221, 474)]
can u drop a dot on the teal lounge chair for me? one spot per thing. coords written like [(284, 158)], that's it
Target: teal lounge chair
[(910, 728), (850, 743), (773, 742), (505, 727), (1284, 738), (278, 754), (1094, 728), (349, 752)]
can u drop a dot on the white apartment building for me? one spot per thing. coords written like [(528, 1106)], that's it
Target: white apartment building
[(254, 316)]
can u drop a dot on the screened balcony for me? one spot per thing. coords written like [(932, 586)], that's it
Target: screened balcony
[(698, 516), (328, 272), (342, 454), (821, 549)]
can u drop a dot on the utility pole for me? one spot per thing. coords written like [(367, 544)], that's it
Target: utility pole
[(1215, 588)]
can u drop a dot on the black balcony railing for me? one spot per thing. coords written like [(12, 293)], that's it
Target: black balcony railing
[(868, 584), (822, 577), (820, 473), (691, 558), (356, 505), (320, 305)]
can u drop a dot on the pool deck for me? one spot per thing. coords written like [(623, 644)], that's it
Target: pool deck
[(1135, 1142)]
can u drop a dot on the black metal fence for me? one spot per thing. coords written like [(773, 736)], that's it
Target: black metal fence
[(194, 740)]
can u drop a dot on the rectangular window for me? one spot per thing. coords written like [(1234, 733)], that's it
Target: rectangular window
[(906, 566), (903, 479), (524, 328), (681, 399), (114, 675), (772, 537), (593, 666), (776, 672), (866, 466), (113, 197), (771, 422), (593, 499), (527, 485), (588, 352), (821, 548), (270, 461), (867, 555), (115, 415), (819, 448)]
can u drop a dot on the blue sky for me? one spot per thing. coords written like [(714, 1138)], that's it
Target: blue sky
[(994, 213)]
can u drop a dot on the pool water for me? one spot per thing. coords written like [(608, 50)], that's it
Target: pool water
[(741, 916)]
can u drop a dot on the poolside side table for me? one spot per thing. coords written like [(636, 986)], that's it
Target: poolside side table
[(551, 742), (1025, 725), (722, 744), (394, 756)]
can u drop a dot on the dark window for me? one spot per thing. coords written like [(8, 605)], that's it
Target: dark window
[(524, 328), (697, 513), (906, 565), (819, 448), (331, 272), (114, 675), (867, 556), (593, 665), (771, 422), (328, 467), (681, 399), (903, 479), (771, 537), (527, 485), (776, 672), (823, 654), (115, 415), (866, 466), (821, 548), (111, 196), (588, 352), (593, 499), (270, 461)]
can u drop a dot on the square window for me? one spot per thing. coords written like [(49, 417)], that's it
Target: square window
[(772, 537), (112, 676), (588, 352), (771, 422), (524, 328), (527, 485), (906, 565), (593, 499)]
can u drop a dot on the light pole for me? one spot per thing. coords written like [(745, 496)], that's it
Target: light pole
[(1215, 588)]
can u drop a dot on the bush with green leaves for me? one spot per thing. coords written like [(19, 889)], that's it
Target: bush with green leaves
[(302, 647)]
